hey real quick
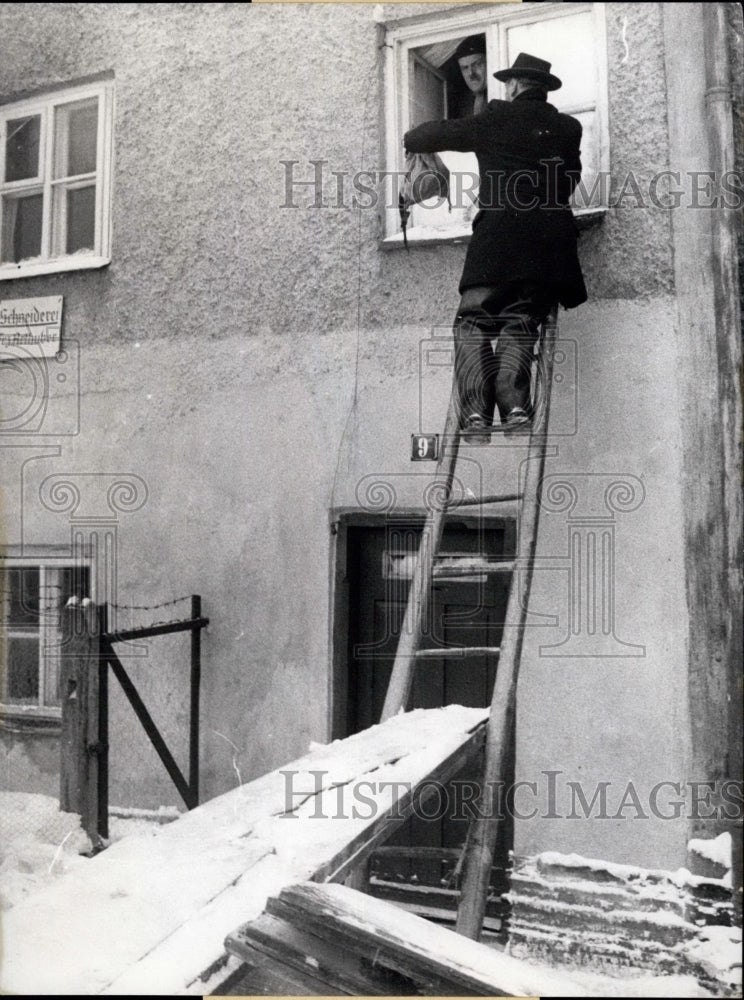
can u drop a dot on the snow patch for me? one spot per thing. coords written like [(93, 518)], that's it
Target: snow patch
[(718, 951), (627, 873), (718, 850), (38, 843)]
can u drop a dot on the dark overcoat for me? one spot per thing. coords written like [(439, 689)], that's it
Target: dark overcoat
[(529, 163)]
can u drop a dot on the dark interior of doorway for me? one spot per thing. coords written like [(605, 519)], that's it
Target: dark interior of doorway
[(417, 865)]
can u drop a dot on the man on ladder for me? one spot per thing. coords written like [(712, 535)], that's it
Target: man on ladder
[(521, 263), (522, 259)]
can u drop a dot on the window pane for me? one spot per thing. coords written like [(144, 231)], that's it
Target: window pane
[(22, 148), (81, 212), (21, 237), (23, 669), (566, 42), (427, 94), (30, 594), (590, 193), (75, 138), (22, 596)]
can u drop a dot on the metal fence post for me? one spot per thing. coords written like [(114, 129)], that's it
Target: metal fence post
[(103, 727), (194, 701)]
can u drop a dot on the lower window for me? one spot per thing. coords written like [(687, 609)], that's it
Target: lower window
[(33, 597)]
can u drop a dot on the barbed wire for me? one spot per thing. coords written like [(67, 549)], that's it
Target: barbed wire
[(168, 621), (148, 607), (55, 609)]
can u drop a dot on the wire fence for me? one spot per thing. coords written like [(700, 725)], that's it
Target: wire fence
[(38, 839)]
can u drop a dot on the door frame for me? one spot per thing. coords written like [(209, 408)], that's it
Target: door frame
[(342, 520)]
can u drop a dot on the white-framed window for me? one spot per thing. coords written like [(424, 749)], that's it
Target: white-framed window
[(55, 181), (423, 82), (33, 593)]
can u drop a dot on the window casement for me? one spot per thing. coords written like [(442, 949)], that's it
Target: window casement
[(33, 594), (423, 82), (55, 181)]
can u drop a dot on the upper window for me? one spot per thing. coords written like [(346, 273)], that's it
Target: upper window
[(33, 596), (425, 81), (55, 180)]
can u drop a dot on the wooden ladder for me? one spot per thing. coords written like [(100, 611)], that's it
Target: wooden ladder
[(483, 832)]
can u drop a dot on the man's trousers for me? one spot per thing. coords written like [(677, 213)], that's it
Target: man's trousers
[(488, 377)]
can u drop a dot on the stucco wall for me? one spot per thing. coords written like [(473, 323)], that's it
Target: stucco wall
[(253, 364)]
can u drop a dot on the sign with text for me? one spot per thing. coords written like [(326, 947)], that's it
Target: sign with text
[(31, 325)]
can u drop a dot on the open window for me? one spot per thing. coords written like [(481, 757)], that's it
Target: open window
[(424, 83), (55, 181)]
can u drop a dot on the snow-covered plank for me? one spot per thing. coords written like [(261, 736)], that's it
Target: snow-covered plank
[(434, 958), (150, 914)]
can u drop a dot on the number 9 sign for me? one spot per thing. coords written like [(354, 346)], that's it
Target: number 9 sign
[(424, 447)]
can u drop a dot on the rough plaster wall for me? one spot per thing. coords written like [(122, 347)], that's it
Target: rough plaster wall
[(736, 56), (631, 257), (599, 708), (210, 146), (253, 363), (29, 763)]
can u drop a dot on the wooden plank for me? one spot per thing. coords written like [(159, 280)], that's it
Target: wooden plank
[(360, 847), (425, 897), (165, 900), (296, 949), (271, 979), (449, 567), (79, 682), (436, 959), (447, 853), (149, 631), (457, 652)]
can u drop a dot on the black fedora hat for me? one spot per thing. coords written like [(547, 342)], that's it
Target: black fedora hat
[(526, 67), (471, 46)]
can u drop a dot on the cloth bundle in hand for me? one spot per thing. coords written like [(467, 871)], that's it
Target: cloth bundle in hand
[(426, 177)]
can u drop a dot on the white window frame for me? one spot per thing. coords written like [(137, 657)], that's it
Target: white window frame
[(44, 105), (420, 30), (48, 635)]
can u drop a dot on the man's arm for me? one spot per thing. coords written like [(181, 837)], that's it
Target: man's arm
[(433, 137)]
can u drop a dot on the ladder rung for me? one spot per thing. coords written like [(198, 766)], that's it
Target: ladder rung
[(459, 651), (492, 498), (471, 567)]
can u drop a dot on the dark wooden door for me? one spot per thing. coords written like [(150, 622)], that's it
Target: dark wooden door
[(462, 613)]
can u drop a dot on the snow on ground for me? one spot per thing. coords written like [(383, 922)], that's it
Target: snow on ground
[(38, 844)]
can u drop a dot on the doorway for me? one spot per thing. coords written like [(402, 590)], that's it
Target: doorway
[(423, 853)]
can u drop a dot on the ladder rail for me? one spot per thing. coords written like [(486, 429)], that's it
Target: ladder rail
[(440, 493), (401, 678), (483, 833)]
